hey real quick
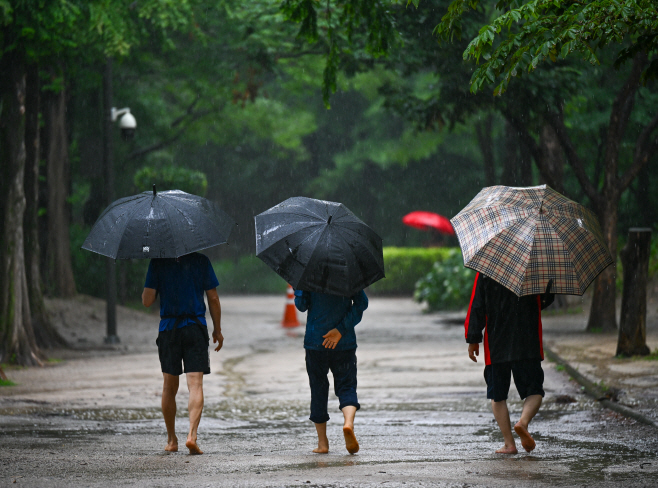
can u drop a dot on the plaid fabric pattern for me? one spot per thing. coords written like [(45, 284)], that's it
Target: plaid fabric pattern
[(524, 237)]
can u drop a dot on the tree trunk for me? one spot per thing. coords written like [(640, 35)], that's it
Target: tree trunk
[(59, 270), (633, 325), (510, 158), (553, 157), (647, 211), (524, 165), (485, 141), (46, 335), (17, 342), (602, 316)]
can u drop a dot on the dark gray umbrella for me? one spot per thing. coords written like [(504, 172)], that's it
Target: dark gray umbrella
[(319, 246), (168, 224)]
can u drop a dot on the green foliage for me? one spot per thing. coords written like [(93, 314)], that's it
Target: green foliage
[(523, 35), (171, 178), (6, 383), (447, 286), (347, 27), (247, 275), (89, 269), (404, 266)]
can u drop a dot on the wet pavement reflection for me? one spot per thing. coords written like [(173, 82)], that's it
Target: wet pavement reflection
[(425, 421)]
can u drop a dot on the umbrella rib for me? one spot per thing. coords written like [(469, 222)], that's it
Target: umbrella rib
[(130, 215), (350, 247), (314, 250), (207, 218), (300, 215), (173, 234)]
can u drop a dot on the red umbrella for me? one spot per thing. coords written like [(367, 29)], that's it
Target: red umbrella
[(428, 220)]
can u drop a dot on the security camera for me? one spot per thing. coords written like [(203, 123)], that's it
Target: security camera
[(127, 122)]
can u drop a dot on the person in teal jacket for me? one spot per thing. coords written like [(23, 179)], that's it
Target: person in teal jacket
[(330, 344)]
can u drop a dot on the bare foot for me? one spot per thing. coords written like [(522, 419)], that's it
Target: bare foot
[(192, 446), (507, 450), (527, 441), (350, 440), (323, 448), (172, 445)]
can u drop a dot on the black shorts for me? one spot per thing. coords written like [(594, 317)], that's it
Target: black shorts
[(188, 344), (528, 378)]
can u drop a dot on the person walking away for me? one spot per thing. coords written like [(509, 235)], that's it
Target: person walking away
[(330, 344), (183, 333), (512, 345)]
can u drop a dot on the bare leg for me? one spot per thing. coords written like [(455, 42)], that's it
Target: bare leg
[(323, 441), (348, 430), (501, 415), (195, 407), (530, 408), (169, 390)]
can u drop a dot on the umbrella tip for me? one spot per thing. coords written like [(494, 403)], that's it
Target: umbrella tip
[(154, 191)]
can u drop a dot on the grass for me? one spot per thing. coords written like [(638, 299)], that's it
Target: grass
[(650, 357), (6, 382), (559, 367)]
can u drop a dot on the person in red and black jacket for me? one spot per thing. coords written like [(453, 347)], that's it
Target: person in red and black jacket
[(510, 327)]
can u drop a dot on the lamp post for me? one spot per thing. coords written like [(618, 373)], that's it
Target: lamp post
[(127, 123)]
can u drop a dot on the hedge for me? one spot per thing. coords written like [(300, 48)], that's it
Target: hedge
[(447, 286), (247, 275), (404, 266)]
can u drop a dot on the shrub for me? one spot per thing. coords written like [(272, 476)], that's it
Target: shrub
[(247, 275), (404, 266), (171, 178), (447, 286)]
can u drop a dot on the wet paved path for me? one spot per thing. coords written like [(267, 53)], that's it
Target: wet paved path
[(425, 421)]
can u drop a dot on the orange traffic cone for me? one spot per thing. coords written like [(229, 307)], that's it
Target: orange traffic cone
[(290, 313)]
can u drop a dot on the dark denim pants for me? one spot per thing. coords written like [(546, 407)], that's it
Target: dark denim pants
[(343, 366)]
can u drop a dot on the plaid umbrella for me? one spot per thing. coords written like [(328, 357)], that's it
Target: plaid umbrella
[(523, 237)]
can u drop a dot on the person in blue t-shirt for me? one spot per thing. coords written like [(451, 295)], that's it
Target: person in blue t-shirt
[(330, 344), (183, 333)]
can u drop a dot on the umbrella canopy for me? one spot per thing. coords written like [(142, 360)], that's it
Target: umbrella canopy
[(428, 220), (167, 224), (524, 237), (319, 246)]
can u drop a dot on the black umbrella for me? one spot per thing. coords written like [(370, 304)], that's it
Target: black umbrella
[(319, 246), (168, 224)]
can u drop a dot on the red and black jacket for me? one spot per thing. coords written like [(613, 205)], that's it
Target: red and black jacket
[(511, 325)]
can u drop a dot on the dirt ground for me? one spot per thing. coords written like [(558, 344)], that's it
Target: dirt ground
[(91, 417)]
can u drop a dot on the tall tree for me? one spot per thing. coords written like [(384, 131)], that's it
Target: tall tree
[(523, 36), (17, 342), (58, 272), (45, 333), (33, 32)]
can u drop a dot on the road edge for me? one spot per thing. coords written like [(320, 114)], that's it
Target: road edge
[(595, 392)]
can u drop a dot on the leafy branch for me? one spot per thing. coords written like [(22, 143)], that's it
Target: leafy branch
[(528, 34)]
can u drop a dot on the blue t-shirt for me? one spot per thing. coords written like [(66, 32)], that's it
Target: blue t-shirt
[(181, 283), (326, 312)]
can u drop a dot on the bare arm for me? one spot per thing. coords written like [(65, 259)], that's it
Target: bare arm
[(216, 315), (148, 296)]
